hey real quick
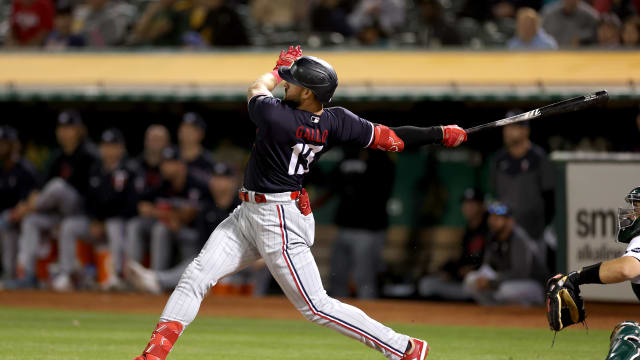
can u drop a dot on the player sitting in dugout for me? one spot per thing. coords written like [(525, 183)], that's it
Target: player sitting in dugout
[(564, 304)]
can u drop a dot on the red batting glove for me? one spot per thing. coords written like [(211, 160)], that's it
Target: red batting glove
[(453, 135), (287, 58)]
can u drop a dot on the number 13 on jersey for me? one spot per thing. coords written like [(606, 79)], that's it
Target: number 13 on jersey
[(301, 157)]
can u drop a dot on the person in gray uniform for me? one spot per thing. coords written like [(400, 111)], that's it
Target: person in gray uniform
[(62, 196), (513, 269)]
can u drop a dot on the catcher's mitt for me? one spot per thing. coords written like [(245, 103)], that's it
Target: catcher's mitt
[(564, 304)]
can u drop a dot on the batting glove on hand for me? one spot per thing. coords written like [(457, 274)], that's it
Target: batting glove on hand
[(287, 58), (453, 135)]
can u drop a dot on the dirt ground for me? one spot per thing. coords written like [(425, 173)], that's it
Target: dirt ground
[(600, 315)]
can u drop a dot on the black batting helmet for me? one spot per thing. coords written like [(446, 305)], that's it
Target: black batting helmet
[(314, 74)]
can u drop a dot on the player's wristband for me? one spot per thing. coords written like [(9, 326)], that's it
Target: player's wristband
[(277, 76), (590, 274)]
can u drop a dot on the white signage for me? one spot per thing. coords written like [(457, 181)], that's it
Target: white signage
[(595, 191)]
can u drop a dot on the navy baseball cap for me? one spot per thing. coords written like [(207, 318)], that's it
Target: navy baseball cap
[(8, 133), (472, 194), (223, 169), (112, 136), (171, 153), (514, 112), (69, 117), (194, 119), (498, 208)]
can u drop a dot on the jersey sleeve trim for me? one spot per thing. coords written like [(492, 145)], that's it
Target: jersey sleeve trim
[(372, 133)]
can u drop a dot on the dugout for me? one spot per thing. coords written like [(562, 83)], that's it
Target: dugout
[(131, 90)]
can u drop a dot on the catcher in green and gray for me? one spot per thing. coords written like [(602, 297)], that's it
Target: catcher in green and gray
[(564, 304)]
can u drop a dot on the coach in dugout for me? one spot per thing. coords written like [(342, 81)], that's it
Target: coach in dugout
[(513, 269), (110, 199), (167, 215), (62, 196), (18, 178), (522, 177)]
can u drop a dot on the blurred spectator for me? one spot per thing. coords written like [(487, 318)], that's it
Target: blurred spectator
[(190, 136), (17, 180), (571, 22), (382, 16), (513, 270), (609, 31), (522, 178), (102, 23), (217, 24), (435, 28), (484, 10), (362, 220), (61, 37), (163, 23), (622, 8), (330, 16), (447, 283), (148, 178), (63, 194), (631, 32), (167, 216), (30, 22), (110, 200), (372, 35), (529, 34), (278, 15), (223, 191)]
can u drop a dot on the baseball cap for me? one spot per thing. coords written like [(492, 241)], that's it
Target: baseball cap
[(112, 136), (8, 133), (514, 112), (194, 119), (170, 153), (222, 169), (498, 208), (472, 194), (69, 117)]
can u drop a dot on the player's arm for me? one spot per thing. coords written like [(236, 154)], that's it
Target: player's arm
[(609, 272), (399, 138), (265, 84)]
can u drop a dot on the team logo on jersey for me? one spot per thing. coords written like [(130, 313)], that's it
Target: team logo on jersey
[(315, 119)]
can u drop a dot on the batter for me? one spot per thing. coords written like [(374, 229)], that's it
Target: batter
[(275, 222)]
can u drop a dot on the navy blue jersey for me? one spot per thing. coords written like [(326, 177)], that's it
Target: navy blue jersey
[(289, 140)]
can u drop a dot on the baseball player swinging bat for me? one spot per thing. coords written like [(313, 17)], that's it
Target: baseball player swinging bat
[(562, 107)]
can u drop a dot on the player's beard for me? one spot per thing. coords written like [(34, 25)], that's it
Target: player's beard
[(289, 101)]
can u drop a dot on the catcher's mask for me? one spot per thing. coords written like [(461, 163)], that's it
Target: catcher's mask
[(629, 218)]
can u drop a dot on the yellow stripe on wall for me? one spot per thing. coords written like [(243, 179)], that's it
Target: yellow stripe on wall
[(354, 68)]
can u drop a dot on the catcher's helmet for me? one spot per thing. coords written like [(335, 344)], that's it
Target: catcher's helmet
[(314, 74), (629, 218)]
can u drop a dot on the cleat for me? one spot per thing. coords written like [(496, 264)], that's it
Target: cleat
[(419, 350), (143, 279)]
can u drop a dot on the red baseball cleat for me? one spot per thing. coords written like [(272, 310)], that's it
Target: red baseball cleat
[(146, 357), (419, 350)]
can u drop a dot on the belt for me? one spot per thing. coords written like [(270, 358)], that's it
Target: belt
[(251, 196)]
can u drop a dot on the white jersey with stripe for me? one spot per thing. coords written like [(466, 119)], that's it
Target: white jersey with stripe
[(633, 250), (277, 232)]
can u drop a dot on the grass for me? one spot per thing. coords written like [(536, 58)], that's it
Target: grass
[(46, 334)]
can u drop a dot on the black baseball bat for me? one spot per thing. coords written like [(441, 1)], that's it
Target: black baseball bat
[(562, 107)]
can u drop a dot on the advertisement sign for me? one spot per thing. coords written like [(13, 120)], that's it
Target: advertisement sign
[(595, 191)]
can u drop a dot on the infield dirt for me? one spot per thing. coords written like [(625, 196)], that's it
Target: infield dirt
[(600, 315)]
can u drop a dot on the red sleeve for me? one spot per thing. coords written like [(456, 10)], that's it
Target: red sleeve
[(47, 14)]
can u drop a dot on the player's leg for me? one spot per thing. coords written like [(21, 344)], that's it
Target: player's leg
[(71, 229), (28, 244), (226, 251), (284, 245), (161, 246), (523, 292), (625, 341), (341, 264), (367, 257), (115, 230), (137, 230)]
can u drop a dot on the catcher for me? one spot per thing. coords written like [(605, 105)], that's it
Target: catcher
[(564, 304)]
